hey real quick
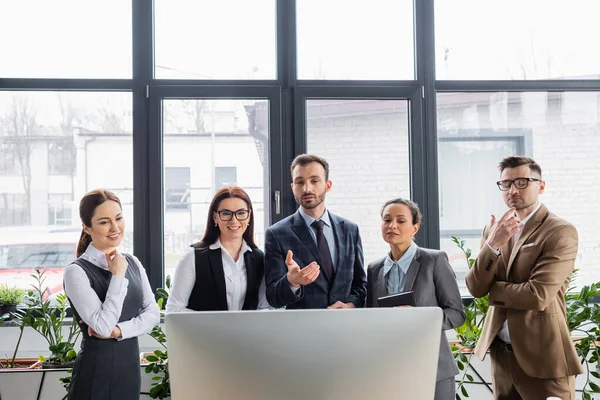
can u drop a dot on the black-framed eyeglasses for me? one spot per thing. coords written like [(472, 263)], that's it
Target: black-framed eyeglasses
[(520, 183), (241, 214)]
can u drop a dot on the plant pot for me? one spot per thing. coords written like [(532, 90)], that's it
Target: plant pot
[(51, 365), (7, 310), (23, 363)]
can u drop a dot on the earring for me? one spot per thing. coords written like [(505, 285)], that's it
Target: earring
[(216, 224)]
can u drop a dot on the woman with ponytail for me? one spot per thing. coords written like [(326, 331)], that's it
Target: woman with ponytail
[(112, 299)]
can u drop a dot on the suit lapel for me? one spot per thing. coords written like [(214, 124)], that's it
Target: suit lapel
[(413, 270), (250, 271), (216, 264), (380, 288), (530, 227), (339, 231)]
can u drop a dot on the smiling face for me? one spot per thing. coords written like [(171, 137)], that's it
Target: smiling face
[(234, 228), (397, 227), (108, 226)]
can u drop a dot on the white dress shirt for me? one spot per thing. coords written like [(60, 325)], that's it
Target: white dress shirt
[(503, 333), (104, 317), (236, 281)]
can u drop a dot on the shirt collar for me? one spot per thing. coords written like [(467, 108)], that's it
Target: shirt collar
[(309, 220), (95, 255), (403, 262), (527, 218), (217, 245)]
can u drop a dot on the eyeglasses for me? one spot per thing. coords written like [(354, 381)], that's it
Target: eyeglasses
[(520, 183), (240, 215)]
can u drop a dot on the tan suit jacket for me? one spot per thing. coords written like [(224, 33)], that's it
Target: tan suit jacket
[(527, 287)]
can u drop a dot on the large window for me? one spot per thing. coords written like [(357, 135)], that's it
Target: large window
[(405, 98), (202, 138), (225, 39), (65, 144), (558, 130), (367, 40), (65, 39), (513, 39), (366, 145)]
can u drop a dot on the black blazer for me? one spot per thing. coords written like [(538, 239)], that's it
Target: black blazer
[(349, 284), (209, 293)]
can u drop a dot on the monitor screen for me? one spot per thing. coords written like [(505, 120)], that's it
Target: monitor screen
[(305, 354)]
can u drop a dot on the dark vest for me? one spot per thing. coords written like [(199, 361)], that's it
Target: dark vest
[(99, 281), (209, 292), (109, 369)]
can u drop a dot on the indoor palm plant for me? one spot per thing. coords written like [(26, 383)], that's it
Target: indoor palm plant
[(583, 319)]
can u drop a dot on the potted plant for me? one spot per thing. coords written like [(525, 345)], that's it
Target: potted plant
[(47, 319), (583, 319), (10, 298), (158, 360)]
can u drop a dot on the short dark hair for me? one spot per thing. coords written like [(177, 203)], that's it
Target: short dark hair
[(211, 234), (517, 161), (305, 159), (415, 213), (87, 209)]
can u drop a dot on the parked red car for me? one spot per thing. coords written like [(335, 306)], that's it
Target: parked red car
[(24, 249)]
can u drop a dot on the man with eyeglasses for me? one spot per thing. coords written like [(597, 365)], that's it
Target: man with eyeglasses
[(525, 265), (313, 258)]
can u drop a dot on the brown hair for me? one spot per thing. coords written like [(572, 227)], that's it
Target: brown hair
[(87, 209), (304, 159), (412, 206), (517, 161), (211, 234)]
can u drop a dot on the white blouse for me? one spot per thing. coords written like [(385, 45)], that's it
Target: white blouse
[(236, 281), (103, 317)]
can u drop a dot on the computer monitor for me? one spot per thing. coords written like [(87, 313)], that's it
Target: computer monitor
[(305, 354)]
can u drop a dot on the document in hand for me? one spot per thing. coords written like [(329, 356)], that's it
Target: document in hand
[(398, 299)]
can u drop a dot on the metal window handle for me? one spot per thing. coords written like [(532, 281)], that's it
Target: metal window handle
[(277, 202)]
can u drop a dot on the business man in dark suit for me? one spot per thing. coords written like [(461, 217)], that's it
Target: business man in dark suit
[(327, 247), (426, 272)]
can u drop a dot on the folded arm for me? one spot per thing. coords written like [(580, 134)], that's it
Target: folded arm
[(483, 273), (149, 315), (102, 317), (552, 271)]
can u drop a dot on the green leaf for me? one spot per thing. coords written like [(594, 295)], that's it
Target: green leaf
[(461, 366), (464, 391), (594, 387), (151, 358), (469, 377)]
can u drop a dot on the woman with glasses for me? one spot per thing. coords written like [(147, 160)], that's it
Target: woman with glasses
[(225, 270)]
